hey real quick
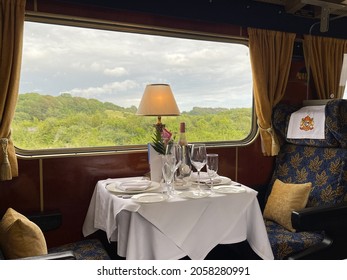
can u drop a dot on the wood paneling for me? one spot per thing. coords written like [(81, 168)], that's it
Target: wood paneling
[(23, 192), (69, 184)]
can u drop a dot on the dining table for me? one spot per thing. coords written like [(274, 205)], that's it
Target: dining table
[(152, 225)]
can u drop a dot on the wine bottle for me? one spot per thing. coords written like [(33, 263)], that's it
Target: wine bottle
[(182, 140), (185, 167)]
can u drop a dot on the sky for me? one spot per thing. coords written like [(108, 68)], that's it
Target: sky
[(116, 67)]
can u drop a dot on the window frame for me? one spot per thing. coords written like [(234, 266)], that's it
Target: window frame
[(139, 29)]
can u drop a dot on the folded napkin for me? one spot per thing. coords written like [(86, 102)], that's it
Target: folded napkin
[(204, 178), (131, 185)]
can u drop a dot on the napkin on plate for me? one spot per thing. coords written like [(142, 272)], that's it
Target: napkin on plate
[(204, 178), (132, 185)]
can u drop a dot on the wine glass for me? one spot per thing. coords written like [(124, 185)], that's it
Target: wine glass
[(212, 166), (198, 159)]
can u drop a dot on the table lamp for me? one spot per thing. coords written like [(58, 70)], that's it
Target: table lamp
[(158, 100)]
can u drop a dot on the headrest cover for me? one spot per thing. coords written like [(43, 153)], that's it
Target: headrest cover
[(335, 124)]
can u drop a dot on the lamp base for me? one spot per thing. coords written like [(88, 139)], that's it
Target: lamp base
[(159, 126)]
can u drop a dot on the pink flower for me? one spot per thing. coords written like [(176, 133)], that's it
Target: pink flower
[(166, 135)]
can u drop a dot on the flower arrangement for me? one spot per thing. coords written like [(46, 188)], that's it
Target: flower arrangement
[(161, 139)]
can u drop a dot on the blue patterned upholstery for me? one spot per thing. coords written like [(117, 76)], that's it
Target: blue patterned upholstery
[(89, 249), (324, 167), (284, 242), (321, 162), (335, 124)]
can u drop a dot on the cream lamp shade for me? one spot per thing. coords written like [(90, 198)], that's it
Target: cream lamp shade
[(158, 100)]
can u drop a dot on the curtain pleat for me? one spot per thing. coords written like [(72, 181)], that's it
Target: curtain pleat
[(271, 53), (324, 57), (11, 41)]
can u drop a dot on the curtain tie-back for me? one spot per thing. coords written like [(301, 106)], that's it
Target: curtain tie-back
[(5, 170), (274, 142)]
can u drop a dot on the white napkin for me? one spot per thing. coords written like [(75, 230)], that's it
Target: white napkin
[(307, 123), (204, 178), (131, 185)]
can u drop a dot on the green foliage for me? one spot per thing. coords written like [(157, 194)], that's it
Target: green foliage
[(158, 143), (44, 121)]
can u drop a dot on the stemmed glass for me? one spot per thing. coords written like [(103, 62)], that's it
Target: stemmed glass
[(198, 159), (171, 161), (175, 151), (212, 166)]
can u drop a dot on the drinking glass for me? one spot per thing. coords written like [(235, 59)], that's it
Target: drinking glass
[(186, 166), (175, 152), (171, 161), (168, 170), (212, 166), (198, 159)]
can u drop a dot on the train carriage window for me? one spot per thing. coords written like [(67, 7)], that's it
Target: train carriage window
[(80, 87)]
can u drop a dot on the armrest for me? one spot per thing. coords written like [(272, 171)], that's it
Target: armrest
[(65, 255), (321, 218), (47, 220)]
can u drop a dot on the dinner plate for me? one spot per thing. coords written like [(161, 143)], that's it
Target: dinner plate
[(194, 194), (219, 180), (153, 186), (228, 189), (150, 197), (181, 187), (181, 184)]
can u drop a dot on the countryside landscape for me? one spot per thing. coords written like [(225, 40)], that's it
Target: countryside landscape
[(65, 121)]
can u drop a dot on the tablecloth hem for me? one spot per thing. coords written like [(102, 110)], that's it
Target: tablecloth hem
[(260, 254)]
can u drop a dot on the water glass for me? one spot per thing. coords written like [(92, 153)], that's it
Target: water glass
[(168, 170), (212, 166)]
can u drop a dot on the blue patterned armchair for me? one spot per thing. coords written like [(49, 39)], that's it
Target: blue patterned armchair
[(319, 229)]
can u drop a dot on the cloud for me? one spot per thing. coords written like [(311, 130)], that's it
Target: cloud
[(116, 72), (105, 91), (116, 66)]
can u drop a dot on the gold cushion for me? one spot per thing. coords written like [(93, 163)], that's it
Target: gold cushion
[(20, 237), (285, 198)]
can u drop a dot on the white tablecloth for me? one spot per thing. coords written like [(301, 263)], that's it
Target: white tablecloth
[(177, 227)]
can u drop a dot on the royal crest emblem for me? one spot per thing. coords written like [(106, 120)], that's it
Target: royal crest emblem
[(307, 123)]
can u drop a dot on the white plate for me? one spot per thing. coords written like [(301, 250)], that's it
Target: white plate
[(153, 186), (194, 194), (150, 197), (228, 189), (220, 180), (181, 187), (181, 184)]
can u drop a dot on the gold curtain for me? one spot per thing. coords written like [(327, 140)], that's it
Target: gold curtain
[(324, 57), (11, 41), (271, 54)]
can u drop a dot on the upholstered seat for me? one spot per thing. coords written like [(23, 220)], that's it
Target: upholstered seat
[(323, 164), (285, 243), (89, 249)]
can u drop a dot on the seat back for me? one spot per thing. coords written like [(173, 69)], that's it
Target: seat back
[(323, 162)]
